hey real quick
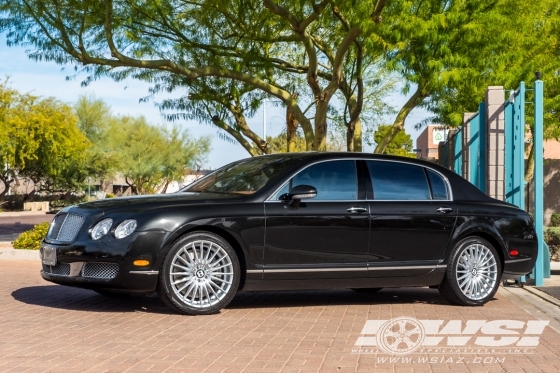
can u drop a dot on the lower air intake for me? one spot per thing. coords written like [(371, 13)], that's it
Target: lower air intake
[(100, 270), (62, 269)]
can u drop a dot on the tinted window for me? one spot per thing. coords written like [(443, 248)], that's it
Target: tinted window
[(244, 177), (398, 181), (439, 188), (335, 180)]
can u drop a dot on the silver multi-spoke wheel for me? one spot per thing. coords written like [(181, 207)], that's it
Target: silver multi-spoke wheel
[(476, 271), (201, 274)]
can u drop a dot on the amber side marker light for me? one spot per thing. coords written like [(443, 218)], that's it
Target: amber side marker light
[(513, 252), (141, 263)]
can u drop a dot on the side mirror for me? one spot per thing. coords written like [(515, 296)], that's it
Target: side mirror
[(302, 192)]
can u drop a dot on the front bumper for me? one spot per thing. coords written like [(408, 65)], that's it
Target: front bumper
[(108, 264)]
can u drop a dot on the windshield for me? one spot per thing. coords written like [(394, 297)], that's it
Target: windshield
[(244, 177)]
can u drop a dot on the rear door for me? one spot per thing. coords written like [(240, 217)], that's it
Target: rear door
[(412, 217)]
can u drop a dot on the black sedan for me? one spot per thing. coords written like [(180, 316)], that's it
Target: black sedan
[(295, 221)]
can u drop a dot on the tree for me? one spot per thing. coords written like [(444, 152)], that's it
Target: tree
[(94, 121), (150, 157), (401, 144), (449, 52), (40, 140), (276, 49)]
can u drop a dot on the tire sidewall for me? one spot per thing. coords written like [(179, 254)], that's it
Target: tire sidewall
[(452, 274), (165, 289)]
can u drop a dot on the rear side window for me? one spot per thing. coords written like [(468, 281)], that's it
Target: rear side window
[(398, 181), (439, 187)]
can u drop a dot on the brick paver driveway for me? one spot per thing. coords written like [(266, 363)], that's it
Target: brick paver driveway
[(51, 328)]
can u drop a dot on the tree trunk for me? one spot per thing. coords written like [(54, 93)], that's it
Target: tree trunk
[(291, 131), (398, 124), (357, 138), (28, 197), (530, 169), (320, 142), (165, 185)]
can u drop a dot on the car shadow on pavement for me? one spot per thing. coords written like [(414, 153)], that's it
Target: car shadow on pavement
[(332, 297), (76, 299)]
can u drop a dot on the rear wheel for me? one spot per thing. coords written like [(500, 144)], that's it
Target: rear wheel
[(473, 273), (200, 274)]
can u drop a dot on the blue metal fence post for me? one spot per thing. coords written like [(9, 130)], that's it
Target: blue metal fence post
[(509, 156), (482, 147), (458, 152), (519, 146), (538, 180)]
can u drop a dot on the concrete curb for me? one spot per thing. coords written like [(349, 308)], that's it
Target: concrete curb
[(11, 214), (542, 295), (13, 254)]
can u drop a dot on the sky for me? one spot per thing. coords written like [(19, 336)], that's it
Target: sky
[(48, 79)]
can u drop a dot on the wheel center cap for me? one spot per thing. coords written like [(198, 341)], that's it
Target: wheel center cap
[(200, 273), (474, 271)]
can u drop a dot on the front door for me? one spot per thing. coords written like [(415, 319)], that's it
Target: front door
[(324, 237)]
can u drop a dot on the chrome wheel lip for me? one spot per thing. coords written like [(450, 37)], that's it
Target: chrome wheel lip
[(201, 274), (476, 271)]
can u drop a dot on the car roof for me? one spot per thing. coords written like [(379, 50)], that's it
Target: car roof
[(462, 189)]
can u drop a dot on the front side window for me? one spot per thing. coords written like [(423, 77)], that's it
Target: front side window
[(334, 180), (398, 181)]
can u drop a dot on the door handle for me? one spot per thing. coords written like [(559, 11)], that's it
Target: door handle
[(356, 210), (444, 210)]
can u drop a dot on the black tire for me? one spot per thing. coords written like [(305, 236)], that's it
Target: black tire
[(215, 288), (485, 276), (367, 290)]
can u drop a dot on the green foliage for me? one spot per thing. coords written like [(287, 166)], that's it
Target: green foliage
[(150, 157), (555, 220), (400, 145), (39, 139), (228, 54), (552, 239), (31, 239), (109, 195), (449, 52)]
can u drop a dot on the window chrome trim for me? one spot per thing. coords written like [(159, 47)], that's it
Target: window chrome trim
[(448, 184)]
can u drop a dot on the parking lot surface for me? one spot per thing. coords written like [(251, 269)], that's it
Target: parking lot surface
[(50, 328)]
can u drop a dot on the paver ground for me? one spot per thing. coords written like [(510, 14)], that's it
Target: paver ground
[(50, 328)]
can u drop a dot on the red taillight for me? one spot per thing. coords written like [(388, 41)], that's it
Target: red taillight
[(513, 253)]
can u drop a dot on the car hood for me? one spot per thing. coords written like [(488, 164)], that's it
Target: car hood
[(152, 201)]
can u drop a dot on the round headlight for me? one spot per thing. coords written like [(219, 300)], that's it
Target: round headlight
[(125, 228), (101, 229)]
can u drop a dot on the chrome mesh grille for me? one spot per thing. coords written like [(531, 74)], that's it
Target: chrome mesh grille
[(100, 270), (62, 269), (65, 227)]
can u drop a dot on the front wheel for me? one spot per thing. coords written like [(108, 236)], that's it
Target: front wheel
[(473, 273), (200, 274)]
